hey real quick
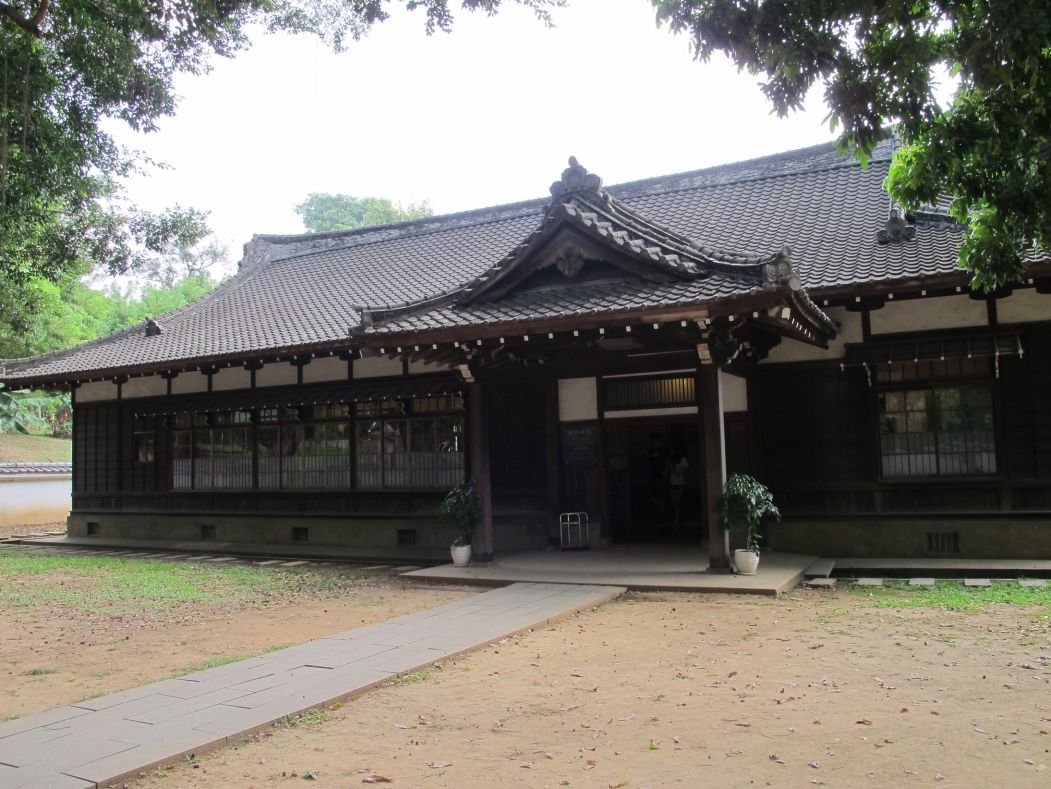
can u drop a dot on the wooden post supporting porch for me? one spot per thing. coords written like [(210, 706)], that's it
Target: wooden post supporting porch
[(714, 463), (478, 452)]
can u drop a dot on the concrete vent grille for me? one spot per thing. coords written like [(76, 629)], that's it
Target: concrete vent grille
[(93, 528), (300, 534), (406, 537), (207, 531), (943, 542)]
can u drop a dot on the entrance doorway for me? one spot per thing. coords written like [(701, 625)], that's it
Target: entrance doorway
[(654, 479)]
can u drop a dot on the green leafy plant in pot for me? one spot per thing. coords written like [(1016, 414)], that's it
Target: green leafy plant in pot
[(460, 508), (743, 506)]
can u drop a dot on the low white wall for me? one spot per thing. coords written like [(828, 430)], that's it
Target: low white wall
[(34, 499)]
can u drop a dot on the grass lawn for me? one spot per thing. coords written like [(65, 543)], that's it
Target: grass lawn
[(116, 587), (19, 448), (954, 596)]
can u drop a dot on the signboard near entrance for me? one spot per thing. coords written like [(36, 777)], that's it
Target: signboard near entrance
[(581, 445)]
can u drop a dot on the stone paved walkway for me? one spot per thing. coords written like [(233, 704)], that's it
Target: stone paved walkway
[(100, 741)]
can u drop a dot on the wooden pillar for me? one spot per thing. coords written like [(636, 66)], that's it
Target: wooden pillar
[(714, 463), (554, 466), (478, 447)]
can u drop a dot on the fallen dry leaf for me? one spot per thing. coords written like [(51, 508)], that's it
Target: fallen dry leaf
[(864, 722), (439, 765), (377, 779)]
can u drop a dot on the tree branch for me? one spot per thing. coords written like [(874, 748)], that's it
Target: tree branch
[(32, 25)]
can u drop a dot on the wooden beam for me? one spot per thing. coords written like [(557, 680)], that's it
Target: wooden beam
[(478, 446), (714, 463)]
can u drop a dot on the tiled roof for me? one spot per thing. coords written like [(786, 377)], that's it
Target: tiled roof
[(33, 469), (298, 292)]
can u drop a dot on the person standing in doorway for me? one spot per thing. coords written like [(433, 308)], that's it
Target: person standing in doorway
[(676, 483)]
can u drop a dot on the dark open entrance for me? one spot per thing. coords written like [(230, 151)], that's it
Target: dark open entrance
[(654, 479)]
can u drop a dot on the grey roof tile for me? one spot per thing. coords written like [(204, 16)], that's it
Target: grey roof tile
[(295, 292)]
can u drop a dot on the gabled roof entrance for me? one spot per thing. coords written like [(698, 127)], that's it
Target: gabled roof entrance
[(593, 255)]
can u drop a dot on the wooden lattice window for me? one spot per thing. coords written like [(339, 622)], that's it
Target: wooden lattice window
[(937, 431)]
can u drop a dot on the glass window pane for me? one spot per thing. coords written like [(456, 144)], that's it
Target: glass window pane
[(947, 431), (181, 460), (268, 448), (368, 448)]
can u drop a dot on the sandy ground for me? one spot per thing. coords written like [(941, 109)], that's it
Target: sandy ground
[(663, 690), (50, 658)]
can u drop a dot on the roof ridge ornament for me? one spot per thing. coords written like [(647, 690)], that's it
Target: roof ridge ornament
[(896, 229), (575, 178), (780, 270)]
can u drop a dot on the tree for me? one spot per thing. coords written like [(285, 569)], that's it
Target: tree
[(68, 66), (15, 413), (322, 212), (879, 63)]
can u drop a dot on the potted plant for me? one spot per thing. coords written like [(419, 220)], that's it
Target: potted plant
[(460, 507), (743, 505)]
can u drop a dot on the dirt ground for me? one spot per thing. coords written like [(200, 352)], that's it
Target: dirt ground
[(12, 531), (660, 690), (50, 658)]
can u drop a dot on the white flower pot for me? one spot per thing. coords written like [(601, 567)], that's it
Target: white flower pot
[(746, 561), (461, 555)]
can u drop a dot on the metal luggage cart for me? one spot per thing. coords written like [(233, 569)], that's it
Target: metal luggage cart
[(574, 531)]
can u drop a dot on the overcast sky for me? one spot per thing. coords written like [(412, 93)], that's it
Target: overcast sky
[(485, 115)]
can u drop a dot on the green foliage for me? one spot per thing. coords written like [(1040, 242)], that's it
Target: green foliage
[(743, 505), (68, 67), (16, 414), (460, 507), (879, 64), (322, 212)]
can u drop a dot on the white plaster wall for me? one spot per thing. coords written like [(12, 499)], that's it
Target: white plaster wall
[(188, 383), (376, 367), (795, 351), (577, 399), (97, 390), (231, 378), (1024, 306), (277, 374), (146, 386), (735, 392), (416, 368), (943, 312), (34, 500), (325, 368)]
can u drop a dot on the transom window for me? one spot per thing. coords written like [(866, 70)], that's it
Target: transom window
[(937, 431)]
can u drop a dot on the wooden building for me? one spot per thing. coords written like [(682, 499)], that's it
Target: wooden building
[(616, 350)]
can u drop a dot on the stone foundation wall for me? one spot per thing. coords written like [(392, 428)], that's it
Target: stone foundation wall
[(395, 539), (974, 538)]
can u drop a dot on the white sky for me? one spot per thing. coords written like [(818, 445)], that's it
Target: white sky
[(485, 115)]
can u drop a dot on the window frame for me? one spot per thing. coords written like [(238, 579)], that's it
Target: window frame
[(406, 410), (982, 379)]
